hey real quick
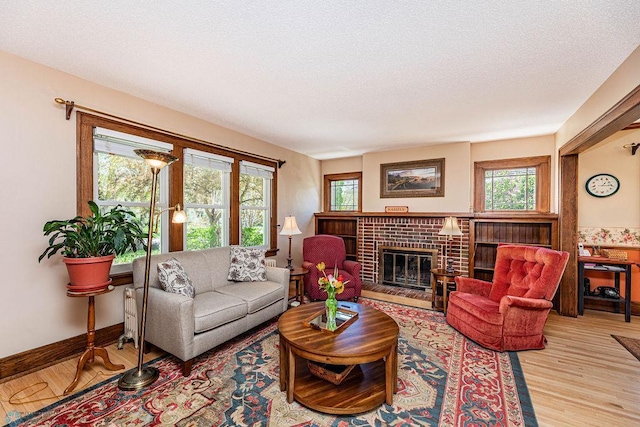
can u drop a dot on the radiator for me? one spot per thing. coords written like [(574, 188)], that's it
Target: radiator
[(130, 319), (270, 262)]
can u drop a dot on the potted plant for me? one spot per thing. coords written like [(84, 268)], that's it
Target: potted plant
[(89, 244)]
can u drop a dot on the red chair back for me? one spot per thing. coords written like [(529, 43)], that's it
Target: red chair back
[(324, 248)]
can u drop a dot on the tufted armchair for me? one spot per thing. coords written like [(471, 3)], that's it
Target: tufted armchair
[(330, 250), (510, 313)]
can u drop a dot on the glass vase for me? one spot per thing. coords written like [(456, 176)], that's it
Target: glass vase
[(331, 306)]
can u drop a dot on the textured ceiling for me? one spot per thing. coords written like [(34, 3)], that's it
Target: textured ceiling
[(333, 78)]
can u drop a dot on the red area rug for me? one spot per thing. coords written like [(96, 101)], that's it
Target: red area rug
[(443, 379)]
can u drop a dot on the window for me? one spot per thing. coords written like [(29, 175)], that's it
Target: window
[(342, 192), (121, 177), (513, 185), (255, 191), (207, 180)]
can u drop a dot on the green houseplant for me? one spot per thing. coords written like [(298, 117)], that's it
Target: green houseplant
[(89, 244)]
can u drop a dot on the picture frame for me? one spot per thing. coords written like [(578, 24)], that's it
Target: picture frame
[(420, 178)]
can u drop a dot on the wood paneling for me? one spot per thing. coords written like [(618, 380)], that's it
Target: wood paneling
[(487, 233), (568, 296), (41, 357)]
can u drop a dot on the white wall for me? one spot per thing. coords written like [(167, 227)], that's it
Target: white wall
[(623, 208), (39, 184), (459, 159)]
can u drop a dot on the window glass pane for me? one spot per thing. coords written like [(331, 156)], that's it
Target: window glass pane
[(203, 186), (206, 200), (344, 195), (251, 190), (206, 228), (254, 210), (124, 179), (510, 189), (253, 227)]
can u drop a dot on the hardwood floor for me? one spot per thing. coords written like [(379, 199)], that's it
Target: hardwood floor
[(583, 378)]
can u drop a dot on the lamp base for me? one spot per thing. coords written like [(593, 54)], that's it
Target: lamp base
[(289, 265), (135, 380), (449, 268)]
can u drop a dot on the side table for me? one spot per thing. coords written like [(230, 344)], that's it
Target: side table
[(297, 276), (91, 351), (446, 278)]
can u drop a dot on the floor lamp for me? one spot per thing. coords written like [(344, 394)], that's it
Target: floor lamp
[(450, 229), (289, 229), (140, 377)]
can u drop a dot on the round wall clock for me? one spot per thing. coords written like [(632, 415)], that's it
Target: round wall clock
[(602, 185)]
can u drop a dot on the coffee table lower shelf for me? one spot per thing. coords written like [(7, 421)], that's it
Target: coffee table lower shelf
[(361, 391)]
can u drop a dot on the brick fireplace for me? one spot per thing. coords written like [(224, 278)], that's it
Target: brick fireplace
[(412, 233)]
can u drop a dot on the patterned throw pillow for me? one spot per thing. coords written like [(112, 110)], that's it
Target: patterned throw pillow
[(173, 278), (247, 265)]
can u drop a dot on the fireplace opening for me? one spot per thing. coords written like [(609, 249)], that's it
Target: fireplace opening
[(407, 267)]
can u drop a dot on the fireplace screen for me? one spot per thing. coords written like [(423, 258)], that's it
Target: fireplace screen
[(407, 267)]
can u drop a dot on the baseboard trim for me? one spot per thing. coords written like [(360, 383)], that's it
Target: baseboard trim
[(41, 357), (611, 306)]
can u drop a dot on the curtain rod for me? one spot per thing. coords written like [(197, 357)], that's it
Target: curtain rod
[(70, 105)]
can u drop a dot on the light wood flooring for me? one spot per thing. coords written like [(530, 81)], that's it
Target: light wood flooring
[(583, 377)]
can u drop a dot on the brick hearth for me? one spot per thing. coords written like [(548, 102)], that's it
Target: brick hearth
[(408, 232)]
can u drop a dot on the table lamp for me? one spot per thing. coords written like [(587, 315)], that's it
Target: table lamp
[(289, 229), (140, 377), (450, 229)]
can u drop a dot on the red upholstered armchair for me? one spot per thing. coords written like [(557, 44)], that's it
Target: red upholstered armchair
[(509, 314), (330, 250)]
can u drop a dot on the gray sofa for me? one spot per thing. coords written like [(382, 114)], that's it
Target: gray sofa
[(187, 327)]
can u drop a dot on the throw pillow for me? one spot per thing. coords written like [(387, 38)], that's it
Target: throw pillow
[(173, 278), (247, 265)]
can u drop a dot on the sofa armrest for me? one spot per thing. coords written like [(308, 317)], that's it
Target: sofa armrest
[(170, 321), (282, 276), (473, 286)]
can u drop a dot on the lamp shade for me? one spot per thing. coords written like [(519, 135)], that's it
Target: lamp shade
[(290, 227), (179, 216), (450, 227), (156, 159)]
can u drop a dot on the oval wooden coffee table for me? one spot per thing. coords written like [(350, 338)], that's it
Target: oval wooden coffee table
[(371, 342)]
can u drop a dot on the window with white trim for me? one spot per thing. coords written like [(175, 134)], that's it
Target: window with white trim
[(255, 204), (206, 199), (121, 177)]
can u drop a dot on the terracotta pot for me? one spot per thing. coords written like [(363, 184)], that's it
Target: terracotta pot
[(88, 274)]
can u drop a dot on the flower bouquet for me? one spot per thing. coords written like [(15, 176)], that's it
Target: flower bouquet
[(332, 284)]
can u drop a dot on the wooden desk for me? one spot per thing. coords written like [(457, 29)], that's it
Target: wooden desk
[(447, 278), (601, 264), (91, 351)]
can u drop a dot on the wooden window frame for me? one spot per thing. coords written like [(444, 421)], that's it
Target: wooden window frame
[(543, 182), (85, 123), (329, 178)]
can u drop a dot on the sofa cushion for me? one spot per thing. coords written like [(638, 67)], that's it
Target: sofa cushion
[(173, 278), (212, 309), (257, 296), (247, 264)]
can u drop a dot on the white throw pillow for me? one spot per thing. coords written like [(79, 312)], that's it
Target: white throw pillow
[(247, 265), (173, 278)]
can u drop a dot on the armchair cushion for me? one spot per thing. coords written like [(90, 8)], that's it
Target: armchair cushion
[(173, 278), (247, 264)]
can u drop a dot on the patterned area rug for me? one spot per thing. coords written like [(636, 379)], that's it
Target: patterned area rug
[(631, 344), (443, 379)]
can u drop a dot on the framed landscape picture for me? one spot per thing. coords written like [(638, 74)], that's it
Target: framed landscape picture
[(421, 178)]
